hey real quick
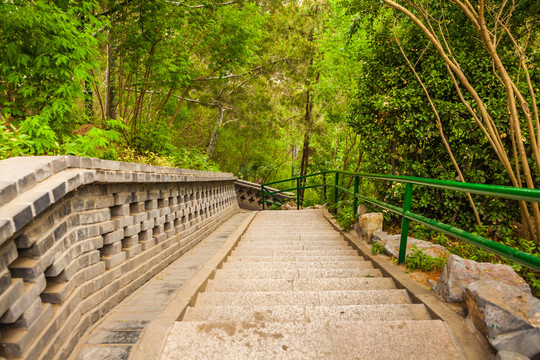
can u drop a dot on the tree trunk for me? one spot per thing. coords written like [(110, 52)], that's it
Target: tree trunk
[(111, 78), (215, 134), (305, 149), (88, 100)]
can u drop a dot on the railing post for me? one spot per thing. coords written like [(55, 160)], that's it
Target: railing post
[(405, 223), (262, 195), (324, 185), (335, 190), (355, 201), (298, 194)]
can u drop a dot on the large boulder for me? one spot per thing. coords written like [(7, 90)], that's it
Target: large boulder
[(392, 247), (458, 273), (506, 315), (508, 355), (368, 224)]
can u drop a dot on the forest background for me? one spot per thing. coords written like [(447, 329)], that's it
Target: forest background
[(273, 89)]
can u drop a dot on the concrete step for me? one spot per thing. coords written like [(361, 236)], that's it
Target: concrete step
[(295, 258), (384, 312), (295, 273), (306, 298), (299, 265), (426, 340), (262, 252), (300, 284)]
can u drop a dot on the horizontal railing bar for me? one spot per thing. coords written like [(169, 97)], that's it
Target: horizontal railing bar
[(294, 188), (279, 191), (506, 192), (520, 257), (297, 177)]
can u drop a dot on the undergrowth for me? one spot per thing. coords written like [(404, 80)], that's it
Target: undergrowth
[(377, 248), (419, 260)]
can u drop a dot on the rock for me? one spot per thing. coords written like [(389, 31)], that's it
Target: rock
[(392, 247), (524, 343), (361, 210), (368, 224), (432, 283), (458, 273), (506, 315), (508, 355), (291, 205), (318, 207), (379, 236)]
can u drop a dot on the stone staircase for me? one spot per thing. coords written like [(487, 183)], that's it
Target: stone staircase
[(294, 289)]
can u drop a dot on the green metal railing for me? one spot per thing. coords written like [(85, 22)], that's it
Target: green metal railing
[(531, 195)]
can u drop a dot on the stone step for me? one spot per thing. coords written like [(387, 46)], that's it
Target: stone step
[(384, 312), (262, 252), (426, 340), (299, 265), (333, 236), (307, 298), (277, 246), (294, 242), (295, 273), (295, 258), (288, 227), (300, 284)]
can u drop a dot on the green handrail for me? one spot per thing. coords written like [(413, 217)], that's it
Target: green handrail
[(532, 195)]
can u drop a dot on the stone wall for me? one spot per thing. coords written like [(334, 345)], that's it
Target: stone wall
[(249, 195), (78, 235)]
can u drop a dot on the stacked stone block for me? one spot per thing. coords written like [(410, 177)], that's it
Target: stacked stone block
[(100, 233)]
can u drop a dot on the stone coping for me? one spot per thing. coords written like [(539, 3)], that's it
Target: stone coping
[(29, 185)]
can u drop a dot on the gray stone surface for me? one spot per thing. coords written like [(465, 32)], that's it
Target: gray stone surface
[(18, 307), (507, 316), (458, 273), (298, 313), (524, 342), (391, 245), (336, 340), (378, 236), (508, 355)]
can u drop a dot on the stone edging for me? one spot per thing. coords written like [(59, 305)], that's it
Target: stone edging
[(469, 341)]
